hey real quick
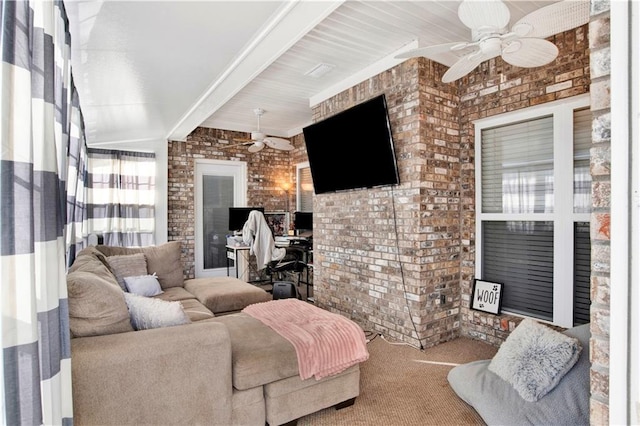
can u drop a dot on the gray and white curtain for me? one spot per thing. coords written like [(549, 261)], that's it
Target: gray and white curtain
[(35, 125), (121, 197)]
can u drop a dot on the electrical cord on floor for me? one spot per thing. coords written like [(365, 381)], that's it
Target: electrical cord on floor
[(404, 288), (370, 336), (398, 343)]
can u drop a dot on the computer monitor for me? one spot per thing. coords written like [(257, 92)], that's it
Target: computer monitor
[(303, 221), (238, 216)]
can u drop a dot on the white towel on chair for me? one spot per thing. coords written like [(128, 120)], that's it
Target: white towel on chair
[(257, 234)]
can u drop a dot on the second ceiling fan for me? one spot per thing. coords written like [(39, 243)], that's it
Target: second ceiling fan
[(259, 140), (523, 45)]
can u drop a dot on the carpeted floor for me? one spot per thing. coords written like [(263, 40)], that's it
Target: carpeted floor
[(401, 385)]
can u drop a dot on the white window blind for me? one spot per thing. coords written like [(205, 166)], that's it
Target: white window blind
[(305, 190), (517, 167), (581, 172)]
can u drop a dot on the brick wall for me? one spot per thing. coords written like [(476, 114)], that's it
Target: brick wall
[(266, 171), (391, 282), (599, 43)]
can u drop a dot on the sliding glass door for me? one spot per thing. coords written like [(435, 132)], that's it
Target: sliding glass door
[(219, 185)]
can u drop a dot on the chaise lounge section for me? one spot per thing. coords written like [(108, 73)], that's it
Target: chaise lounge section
[(215, 365)]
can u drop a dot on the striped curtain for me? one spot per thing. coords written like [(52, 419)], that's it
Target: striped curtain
[(121, 197), (35, 368), (77, 227)]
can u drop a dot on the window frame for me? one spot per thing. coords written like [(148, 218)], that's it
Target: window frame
[(563, 216)]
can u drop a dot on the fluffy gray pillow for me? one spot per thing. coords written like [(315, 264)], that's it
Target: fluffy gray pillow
[(130, 265), (534, 358), (143, 285), (147, 312)]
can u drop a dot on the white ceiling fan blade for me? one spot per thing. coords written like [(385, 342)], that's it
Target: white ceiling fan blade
[(236, 145), (278, 143), (530, 52), (553, 19), (485, 13), (435, 50), (465, 65), (257, 146)]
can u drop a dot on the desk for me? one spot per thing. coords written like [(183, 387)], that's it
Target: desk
[(232, 255)]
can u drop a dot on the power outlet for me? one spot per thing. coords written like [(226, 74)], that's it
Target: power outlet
[(443, 299)]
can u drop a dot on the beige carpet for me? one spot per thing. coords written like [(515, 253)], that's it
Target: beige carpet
[(396, 388)]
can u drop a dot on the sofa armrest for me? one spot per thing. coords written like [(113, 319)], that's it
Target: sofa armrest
[(172, 375)]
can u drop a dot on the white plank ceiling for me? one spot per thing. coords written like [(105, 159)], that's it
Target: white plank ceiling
[(149, 71)]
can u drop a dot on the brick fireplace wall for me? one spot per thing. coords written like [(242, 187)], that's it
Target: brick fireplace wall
[(266, 171)]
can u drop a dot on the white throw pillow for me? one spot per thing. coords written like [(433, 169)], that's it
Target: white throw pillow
[(534, 358), (143, 285), (147, 312)]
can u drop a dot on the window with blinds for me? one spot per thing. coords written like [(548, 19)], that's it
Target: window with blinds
[(304, 201), (533, 235), (517, 167)]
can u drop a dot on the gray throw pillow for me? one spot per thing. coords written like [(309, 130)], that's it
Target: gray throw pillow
[(534, 358), (143, 285), (130, 265), (148, 312)]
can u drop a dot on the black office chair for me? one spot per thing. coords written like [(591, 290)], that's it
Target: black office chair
[(291, 263)]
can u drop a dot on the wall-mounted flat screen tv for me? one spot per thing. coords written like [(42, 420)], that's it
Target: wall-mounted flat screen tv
[(352, 149)]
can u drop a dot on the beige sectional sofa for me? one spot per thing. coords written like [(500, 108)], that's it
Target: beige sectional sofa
[(214, 365)]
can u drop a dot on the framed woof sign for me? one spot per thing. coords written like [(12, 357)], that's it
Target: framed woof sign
[(486, 296)]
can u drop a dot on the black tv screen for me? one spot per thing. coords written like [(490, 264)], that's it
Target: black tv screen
[(239, 215), (352, 149), (303, 221)]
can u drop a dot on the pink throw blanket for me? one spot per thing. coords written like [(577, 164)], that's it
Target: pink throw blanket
[(325, 343)]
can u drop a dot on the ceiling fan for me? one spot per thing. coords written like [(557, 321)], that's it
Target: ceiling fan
[(524, 45), (259, 140)]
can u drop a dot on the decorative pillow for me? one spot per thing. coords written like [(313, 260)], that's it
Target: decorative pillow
[(131, 265), (164, 260), (534, 358), (147, 312), (143, 285), (96, 305)]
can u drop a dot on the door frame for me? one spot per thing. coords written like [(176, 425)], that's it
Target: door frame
[(204, 167)]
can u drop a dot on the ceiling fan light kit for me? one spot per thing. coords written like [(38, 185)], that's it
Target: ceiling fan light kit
[(522, 46), (259, 140)]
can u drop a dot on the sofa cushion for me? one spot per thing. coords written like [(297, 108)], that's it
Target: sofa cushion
[(195, 310), (96, 305), (259, 354), (148, 312), (163, 259), (90, 259), (225, 294), (173, 294), (497, 401), (127, 265)]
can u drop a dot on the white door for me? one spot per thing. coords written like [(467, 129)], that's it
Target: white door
[(219, 185)]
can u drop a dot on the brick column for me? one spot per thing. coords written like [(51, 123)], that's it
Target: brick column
[(599, 43)]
